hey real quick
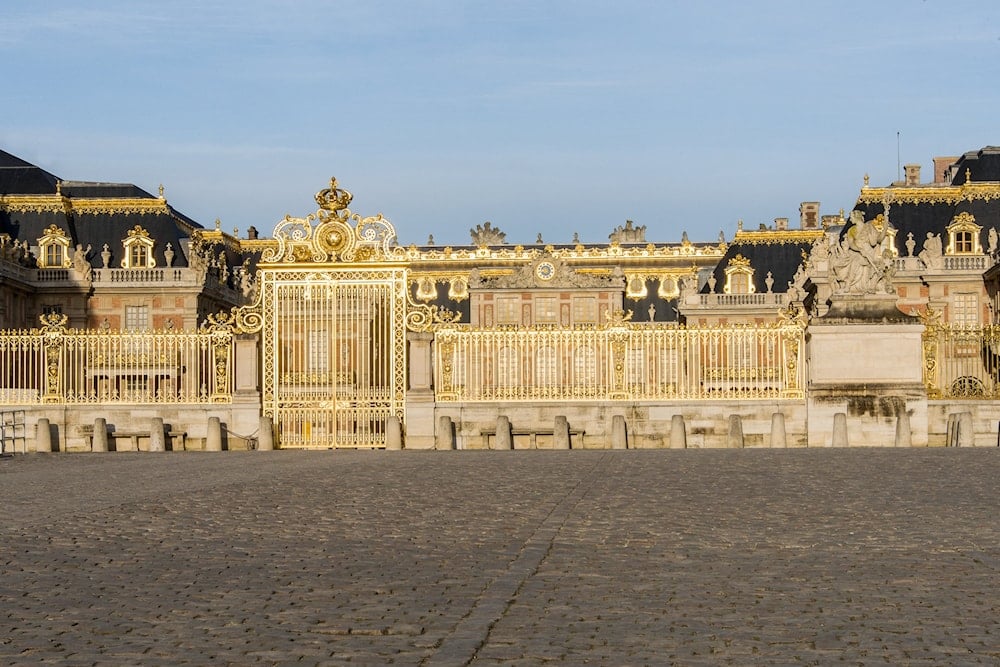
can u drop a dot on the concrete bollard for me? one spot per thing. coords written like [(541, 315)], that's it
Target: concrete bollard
[(778, 437), (100, 443), (43, 436), (839, 430), (560, 433), (213, 441), (265, 434), (734, 440), (504, 438), (444, 436), (619, 432), (157, 438), (678, 433), (966, 434), (904, 436), (393, 433)]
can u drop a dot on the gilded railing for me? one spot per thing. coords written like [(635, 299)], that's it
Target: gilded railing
[(961, 361), (621, 361), (72, 366)]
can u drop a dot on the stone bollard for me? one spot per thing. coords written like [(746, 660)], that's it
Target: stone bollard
[(619, 432), (157, 438), (444, 436), (966, 434), (393, 433), (43, 436), (678, 433), (213, 441), (839, 430), (735, 438), (904, 436), (265, 434), (778, 437), (100, 443), (560, 433), (504, 438), (950, 439)]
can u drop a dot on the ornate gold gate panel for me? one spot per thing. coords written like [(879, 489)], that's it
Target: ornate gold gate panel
[(331, 305)]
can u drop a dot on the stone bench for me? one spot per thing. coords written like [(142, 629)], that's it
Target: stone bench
[(177, 438), (529, 434)]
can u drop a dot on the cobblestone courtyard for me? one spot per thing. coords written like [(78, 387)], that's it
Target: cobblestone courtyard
[(861, 556)]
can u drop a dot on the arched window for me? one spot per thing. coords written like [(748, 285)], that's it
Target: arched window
[(739, 276), (53, 249), (138, 250), (546, 367), (963, 235)]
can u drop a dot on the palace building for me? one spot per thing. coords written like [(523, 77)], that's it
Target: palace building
[(328, 333)]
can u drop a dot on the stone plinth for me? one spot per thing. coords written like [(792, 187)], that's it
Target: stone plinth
[(865, 360)]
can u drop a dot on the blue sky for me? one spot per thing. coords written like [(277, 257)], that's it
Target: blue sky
[(555, 117)]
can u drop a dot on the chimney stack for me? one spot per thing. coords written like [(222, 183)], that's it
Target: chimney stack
[(781, 224), (942, 168), (912, 172), (809, 214)]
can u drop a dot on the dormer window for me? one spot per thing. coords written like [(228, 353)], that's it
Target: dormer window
[(963, 236), (739, 276), (138, 250), (53, 249)]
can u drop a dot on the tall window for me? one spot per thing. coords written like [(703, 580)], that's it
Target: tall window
[(54, 255), (508, 310), (138, 255), (545, 310), (137, 318), (963, 242), (319, 351), (584, 309), (546, 367), (965, 309)]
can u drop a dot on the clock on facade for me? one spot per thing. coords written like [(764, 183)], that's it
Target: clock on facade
[(545, 271)]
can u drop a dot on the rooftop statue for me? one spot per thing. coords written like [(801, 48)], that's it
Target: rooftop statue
[(859, 263), (487, 235)]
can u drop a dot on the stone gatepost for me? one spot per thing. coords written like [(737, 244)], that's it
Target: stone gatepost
[(420, 394), (865, 360)]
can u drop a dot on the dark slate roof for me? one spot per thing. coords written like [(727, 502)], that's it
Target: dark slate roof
[(982, 165), (18, 177), (932, 217), (665, 310), (781, 258)]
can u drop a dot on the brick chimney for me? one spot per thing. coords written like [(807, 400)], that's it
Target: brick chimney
[(942, 165), (781, 224), (809, 214), (912, 172)]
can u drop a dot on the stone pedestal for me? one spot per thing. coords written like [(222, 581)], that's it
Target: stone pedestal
[(865, 359)]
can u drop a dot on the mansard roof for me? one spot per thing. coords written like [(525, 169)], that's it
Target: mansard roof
[(930, 208), (982, 165), (91, 213), (24, 178), (777, 252)]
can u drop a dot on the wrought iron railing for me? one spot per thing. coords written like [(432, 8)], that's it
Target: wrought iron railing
[(962, 361), (70, 366), (619, 362)]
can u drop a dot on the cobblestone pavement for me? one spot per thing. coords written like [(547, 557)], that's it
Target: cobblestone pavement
[(861, 556)]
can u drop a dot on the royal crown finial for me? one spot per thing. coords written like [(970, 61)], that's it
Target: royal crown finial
[(333, 198)]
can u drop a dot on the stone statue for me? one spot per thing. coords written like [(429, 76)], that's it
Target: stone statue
[(486, 234), (932, 254), (992, 239), (80, 262), (858, 263)]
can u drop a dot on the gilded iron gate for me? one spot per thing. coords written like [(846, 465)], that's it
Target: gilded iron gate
[(331, 306), (334, 355)]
